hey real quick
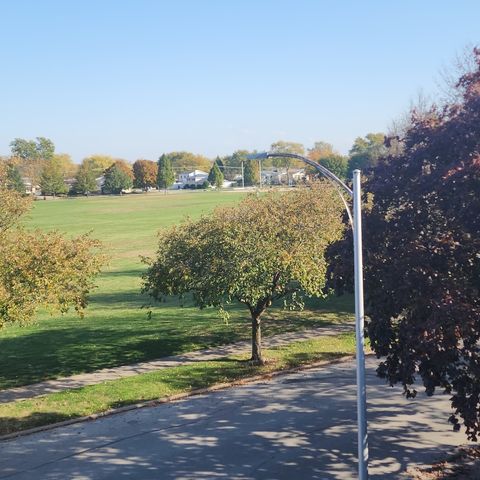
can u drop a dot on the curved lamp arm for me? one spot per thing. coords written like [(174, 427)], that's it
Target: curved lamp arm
[(339, 184)]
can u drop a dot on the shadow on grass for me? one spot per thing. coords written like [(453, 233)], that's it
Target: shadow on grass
[(343, 305), (302, 358), (122, 273), (48, 354), (105, 340), (36, 419), (130, 299)]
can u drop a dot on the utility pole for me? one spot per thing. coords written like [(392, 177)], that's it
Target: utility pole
[(243, 176), (260, 170)]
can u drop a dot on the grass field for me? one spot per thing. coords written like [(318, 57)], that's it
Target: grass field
[(116, 330)]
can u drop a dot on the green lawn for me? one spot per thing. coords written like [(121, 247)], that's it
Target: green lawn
[(116, 330), (16, 416)]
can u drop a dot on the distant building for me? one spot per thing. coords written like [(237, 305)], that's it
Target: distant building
[(297, 175), (229, 184), (70, 183), (29, 188), (192, 179), (177, 185), (278, 176), (100, 182)]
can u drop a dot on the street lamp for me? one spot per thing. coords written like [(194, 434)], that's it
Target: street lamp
[(356, 223)]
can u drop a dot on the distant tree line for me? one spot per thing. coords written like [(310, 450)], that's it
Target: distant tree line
[(35, 162)]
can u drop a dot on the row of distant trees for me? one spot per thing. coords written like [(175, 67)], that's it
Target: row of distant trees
[(364, 154), (37, 161), (143, 174)]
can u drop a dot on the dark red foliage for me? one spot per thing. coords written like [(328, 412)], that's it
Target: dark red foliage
[(422, 256)]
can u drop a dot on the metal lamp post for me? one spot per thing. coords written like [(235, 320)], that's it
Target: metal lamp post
[(356, 223)]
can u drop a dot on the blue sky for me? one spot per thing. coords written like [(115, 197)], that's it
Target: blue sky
[(137, 78)]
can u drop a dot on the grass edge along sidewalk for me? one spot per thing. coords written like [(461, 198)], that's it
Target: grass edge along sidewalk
[(97, 399), (103, 375)]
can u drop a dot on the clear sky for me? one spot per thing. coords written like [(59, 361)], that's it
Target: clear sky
[(137, 78)]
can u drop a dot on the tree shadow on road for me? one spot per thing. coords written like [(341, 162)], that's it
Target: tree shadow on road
[(271, 430)]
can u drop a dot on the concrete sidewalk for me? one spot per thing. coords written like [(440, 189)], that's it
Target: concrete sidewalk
[(296, 426), (84, 379)]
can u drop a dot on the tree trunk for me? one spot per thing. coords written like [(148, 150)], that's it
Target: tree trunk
[(257, 357)]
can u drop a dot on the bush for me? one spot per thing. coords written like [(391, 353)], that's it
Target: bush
[(38, 268)]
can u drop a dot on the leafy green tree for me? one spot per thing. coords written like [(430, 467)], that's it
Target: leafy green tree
[(85, 179), (165, 175), (41, 147), (145, 174), (321, 150), (365, 152), (323, 153), (210, 178), (215, 176), (40, 269), (66, 165), (264, 249), (33, 154), (220, 164), (99, 163), (125, 167), (118, 177), (14, 179), (12, 206), (233, 164), (187, 161), (337, 164), (251, 173), (24, 149), (51, 179)]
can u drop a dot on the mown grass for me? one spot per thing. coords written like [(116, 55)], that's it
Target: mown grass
[(17, 416), (116, 330)]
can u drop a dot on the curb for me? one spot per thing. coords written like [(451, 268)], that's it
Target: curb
[(175, 398)]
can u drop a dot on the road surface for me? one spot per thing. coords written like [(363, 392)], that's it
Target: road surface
[(298, 426)]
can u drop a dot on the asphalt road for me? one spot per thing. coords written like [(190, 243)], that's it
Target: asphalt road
[(299, 426)]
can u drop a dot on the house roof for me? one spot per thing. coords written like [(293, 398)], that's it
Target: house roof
[(194, 173)]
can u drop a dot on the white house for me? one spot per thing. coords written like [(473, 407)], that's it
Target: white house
[(192, 179), (29, 188), (100, 182), (275, 176), (278, 176), (297, 175), (228, 184), (177, 185)]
